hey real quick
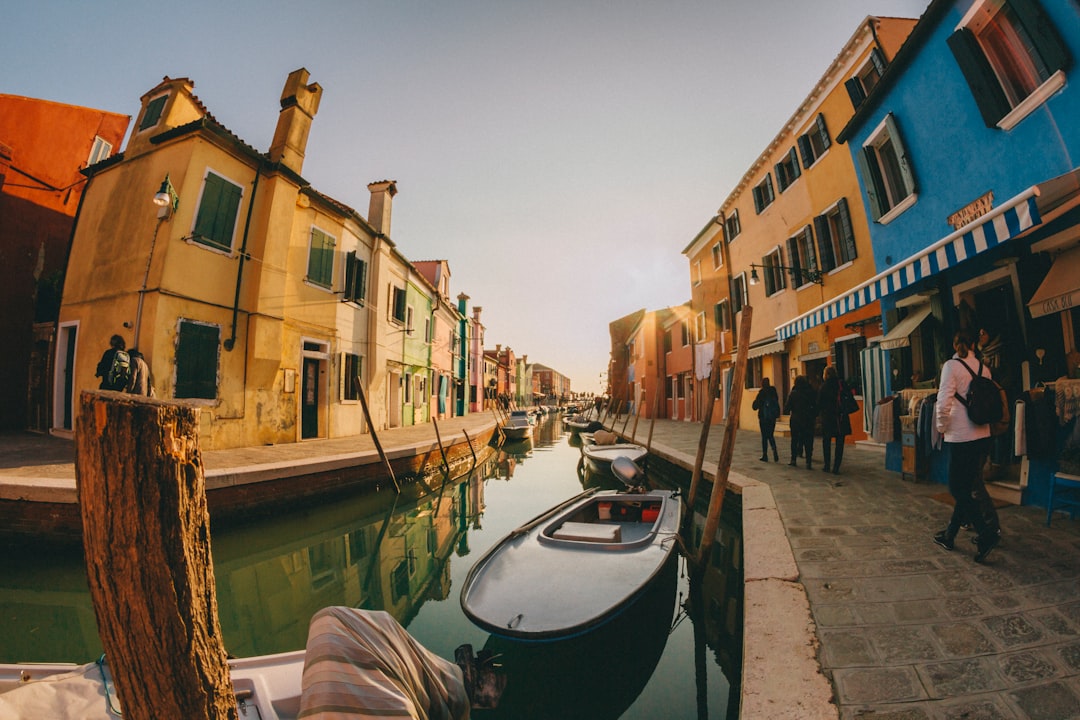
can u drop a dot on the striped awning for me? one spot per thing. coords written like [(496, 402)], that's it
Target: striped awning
[(996, 227), (772, 348)]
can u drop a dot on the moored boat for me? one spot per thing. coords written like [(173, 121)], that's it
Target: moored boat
[(575, 567), (518, 425), (599, 457)]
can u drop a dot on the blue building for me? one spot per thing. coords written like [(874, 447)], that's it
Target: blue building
[(967, 152)]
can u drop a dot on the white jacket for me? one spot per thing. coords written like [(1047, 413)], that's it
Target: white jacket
[(950, 415)]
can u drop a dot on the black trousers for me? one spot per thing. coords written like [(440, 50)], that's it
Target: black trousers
[(768, 427), (826, 450), (973, 502), (802, 443)]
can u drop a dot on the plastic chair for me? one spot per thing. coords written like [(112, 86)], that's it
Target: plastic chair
[(1063, 495)]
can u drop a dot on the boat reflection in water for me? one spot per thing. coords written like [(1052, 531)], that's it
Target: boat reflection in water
[(594, 676), (408, 555)]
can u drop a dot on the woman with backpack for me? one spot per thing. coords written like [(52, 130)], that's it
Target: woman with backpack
[(968, 444), (835, 423), (767, 404)]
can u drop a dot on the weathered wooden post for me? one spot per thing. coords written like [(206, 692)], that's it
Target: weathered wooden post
[(727, 447), (706, 425), (146, 537)]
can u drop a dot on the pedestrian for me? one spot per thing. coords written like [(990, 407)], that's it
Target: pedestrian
[(801, 406), (968, 446), (114, 367), (767, 404), (835, 423), (141, 381)]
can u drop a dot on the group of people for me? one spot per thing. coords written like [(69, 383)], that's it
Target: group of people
[(804, 406), (124, 370)]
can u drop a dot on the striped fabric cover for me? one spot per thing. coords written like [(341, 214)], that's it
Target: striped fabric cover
[(362, 664)]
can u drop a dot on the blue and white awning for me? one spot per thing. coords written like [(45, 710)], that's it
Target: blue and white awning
[(999, 225)]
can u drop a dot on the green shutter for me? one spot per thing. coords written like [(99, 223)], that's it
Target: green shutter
[(361, 281), (824, 240), (781, 176), (153, 112), (901, 155), (871, 178), (196, 360), (793, 160), (984, 85), (350, 277), (794, 261), (1046, 38), (807, 151), (321, 258), (217, 212), (855, 91), (811, 257), (849, 233), (823, 132)]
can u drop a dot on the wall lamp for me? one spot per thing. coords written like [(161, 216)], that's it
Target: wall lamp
[(166, 198), (797, 273)]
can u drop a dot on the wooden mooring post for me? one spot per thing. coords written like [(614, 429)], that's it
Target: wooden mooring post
[(146, 538), (727, 446), (706, 425)]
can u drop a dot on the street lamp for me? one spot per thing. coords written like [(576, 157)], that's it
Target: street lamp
[(166, 198), (813, 276)]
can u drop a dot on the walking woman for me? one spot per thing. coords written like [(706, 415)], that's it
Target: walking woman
[(835, 424), (801, 405), (968, 445), (767, 404)]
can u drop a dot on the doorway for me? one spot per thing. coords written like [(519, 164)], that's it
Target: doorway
[(64, 377)]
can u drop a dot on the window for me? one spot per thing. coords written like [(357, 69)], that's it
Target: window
[(197, 360), (699, 329), (814, 142), (717, 256), (355, 279), (697, 273), (835, 238), (754, 373), (397, 304), (773, 273), (722, 315), (215, 222), (667, 341), (738, 292), (1012, 58), (860, 85), (763, 194), (804, 263), (409, 320), (320, 269), (407, 385), (787, 170), (429, 332), (684, 326), (352, 365), (732, 228), (99, 151), (886, 171), (153, 112)]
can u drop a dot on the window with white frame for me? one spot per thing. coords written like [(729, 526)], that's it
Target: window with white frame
[(697, 272), (738, 292), (814, 142), (355, 279), (886, 171), (99, 151), (763, 194), (835, 237), (787, 170), (867, 77), (154, 108), (409, 327), (397, 304), (215, 220), (732, 227), (803, 259), (717, 256), (1011, 56), (351, 367), (684, 326), (321, 258), (700, 330), (754, 373), (722, 315), (772, 273)]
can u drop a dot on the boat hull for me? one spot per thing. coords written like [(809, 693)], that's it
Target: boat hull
[(599, 457), (575, 567)]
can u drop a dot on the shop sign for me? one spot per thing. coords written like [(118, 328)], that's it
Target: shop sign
[(972, 211), (1054, 305)]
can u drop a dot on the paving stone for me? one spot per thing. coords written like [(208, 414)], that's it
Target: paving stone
[(847, 649), (1053, 622), (977, 710), (960, 677), (835, 616), (896, 589), (1052, 701), (909, 566), (887, 713), (878, 685), (963, 607), (962, 640), (903, 644), (1004, 602), (1070, 655), (1012, 629), (915, 611), (952, 583), (1024, 667)]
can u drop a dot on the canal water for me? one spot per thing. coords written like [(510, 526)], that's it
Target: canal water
[(675, 655)]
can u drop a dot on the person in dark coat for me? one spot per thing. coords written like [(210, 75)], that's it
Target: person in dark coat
[(835, 425), (767, 404), (116, 342), (801, 405)]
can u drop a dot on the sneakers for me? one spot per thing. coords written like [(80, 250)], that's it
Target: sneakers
[(985, 547), (942, 538)]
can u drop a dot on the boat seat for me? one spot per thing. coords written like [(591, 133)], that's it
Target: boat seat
[(589, 532), (1064, 495)]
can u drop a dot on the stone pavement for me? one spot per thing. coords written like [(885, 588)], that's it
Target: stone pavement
[(842, 576), (906, 629)]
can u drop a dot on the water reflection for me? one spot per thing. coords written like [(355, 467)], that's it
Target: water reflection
[(407, 554)]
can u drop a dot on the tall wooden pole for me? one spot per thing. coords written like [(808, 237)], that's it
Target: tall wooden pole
[(716, 501), (706, 425), (359, 386), (146, 537)]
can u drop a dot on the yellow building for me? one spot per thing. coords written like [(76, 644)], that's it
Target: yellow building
[(250, 294)]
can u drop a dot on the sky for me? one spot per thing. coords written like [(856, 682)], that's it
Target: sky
[(559, 154)]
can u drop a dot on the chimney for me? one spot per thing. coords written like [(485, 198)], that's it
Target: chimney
[(382, 202), (299, 103)]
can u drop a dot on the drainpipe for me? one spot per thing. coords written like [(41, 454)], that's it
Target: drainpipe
[(230, 343)]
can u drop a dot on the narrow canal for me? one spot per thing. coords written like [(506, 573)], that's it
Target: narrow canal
[(675, 655)]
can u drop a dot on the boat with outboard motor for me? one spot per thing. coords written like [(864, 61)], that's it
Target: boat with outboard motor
[(576, 566)]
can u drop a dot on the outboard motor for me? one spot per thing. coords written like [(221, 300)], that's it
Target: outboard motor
[(628, 473)]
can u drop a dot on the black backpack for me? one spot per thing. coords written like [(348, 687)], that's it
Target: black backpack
[(119, 375), (983, 401)]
